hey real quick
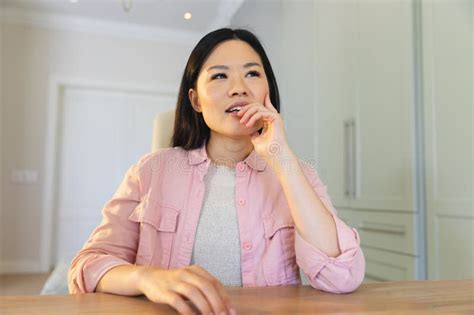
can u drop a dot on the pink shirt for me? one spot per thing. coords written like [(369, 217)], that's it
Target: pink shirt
[(153, 217)]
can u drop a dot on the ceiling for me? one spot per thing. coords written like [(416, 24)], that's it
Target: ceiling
[(162, 14)]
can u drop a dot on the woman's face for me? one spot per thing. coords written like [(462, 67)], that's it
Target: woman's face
[(233, 74)]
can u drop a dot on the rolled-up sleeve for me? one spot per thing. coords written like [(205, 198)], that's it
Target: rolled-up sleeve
[(114, 242), (341, 274)]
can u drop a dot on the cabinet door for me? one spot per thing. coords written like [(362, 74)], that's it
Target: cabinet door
[(335, 37), (384, 105), (387, 266), (448, 103), (364, 64)]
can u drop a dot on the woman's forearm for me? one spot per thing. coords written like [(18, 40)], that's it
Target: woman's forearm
[(313, 220), (122, 280)]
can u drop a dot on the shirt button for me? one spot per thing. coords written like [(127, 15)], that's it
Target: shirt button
[(242, 202), (247, 246), (241, 167)]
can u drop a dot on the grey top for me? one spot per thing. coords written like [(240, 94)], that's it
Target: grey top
[(217, 241)]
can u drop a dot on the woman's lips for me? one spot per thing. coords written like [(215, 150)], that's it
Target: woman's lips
[(234, 110), (238, 105)]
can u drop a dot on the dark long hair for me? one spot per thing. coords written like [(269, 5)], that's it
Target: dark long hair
[(190, 130)]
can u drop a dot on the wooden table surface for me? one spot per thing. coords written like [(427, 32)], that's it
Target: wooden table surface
[(407, 297)]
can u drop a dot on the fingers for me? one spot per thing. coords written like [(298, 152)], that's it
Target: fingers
[(248, 112), (195, 283), (260, 115), (247, 107), (175, 301), (268, 104), (193, 293), (212, 289), (211, 301), (220, 287)]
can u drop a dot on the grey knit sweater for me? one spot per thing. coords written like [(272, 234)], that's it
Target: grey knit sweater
[(217, 242)]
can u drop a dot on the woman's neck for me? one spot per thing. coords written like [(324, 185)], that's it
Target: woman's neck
[(226, 151)]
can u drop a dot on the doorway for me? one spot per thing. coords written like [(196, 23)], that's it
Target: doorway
[(100, 134)]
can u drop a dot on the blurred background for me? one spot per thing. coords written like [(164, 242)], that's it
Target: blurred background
[(378, 95)]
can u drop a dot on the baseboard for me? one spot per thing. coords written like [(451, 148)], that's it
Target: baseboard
[(21, 266)]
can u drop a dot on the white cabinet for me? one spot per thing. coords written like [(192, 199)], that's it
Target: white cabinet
[(448, 103), (366, 78), (383, 106), (364, 56), (365, 98), (387, 243), (383, 265), (335, 41)]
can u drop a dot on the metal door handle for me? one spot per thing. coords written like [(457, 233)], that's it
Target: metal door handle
[(382, 228), (353, 160), (347, 162)]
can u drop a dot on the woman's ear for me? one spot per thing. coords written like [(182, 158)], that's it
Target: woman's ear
[(193, 98)]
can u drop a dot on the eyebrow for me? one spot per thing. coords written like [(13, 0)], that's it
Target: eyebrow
[(247, 65)]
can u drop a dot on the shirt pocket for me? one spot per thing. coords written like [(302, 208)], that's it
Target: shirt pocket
[(279, 261), (158, 224)]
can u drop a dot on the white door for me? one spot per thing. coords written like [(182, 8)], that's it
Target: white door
[(101, 134)]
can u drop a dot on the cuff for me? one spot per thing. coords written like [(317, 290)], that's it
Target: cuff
[(95, 269), (312, 260)]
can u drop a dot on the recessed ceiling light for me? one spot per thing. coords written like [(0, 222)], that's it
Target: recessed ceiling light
[(188, 15)]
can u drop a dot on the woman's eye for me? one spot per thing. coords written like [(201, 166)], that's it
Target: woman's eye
[(254, 73), (218, 76), (224, 76)]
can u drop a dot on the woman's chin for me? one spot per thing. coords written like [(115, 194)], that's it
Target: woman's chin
[(239, 131), (242, 132)]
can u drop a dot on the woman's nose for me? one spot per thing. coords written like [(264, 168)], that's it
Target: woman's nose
[(238, 88)]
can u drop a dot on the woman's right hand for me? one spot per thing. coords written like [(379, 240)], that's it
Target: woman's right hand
[(192, 282)]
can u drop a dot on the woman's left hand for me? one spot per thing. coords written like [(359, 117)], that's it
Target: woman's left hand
[(272, 141)]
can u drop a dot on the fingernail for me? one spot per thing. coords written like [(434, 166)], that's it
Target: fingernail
[(232, 311)]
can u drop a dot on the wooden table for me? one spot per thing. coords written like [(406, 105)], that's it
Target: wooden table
[(408, 297)]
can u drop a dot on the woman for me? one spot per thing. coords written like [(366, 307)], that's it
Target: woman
[(229, 204)]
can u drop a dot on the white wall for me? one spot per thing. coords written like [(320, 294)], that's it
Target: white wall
[(286, 31), (31, 57)]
